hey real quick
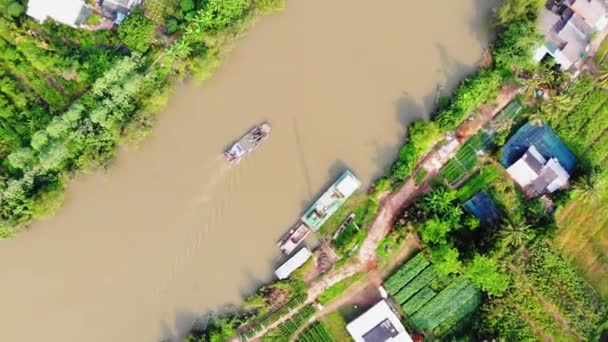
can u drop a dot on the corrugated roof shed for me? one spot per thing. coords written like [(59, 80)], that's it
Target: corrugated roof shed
[(293, 263), (378, 324), (69, 12)]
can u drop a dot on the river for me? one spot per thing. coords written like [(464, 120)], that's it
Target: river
[(169, 232)]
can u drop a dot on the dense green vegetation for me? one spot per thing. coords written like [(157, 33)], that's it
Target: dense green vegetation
[(69, 97)]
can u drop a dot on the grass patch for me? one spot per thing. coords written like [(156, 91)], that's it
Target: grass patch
[(336, 325), (479, 181), (338, 288), (583, 237), (601, 52), (354, 204), (420, 176)]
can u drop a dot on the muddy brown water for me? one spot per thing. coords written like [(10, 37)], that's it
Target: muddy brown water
[(169, 232)]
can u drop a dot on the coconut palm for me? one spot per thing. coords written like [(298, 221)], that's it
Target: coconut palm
[(536, 117), (514, 234), (602, 78), (503, 125), (586, 189), (557, 105)]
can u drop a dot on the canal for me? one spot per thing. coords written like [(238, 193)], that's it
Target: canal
[(169, 232)]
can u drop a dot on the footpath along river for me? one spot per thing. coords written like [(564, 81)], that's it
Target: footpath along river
[(170, 232)]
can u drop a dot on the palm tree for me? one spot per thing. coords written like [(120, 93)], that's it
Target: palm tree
[(602, 78), (514, 234), (530, 86), (586, 189), (536, 117), (557, 105), (503, 125)]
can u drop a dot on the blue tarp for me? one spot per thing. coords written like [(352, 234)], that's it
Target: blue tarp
[(482, 206), (545, 141)]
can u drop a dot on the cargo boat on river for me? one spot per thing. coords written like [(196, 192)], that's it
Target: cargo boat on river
[(247, 143)]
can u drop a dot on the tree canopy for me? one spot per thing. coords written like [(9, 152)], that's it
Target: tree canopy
[(137, 31), (483, 271)]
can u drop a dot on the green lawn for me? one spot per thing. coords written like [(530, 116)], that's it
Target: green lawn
[(336, 325), (338, 288), (353, 205), (601, 52), (420, 176)]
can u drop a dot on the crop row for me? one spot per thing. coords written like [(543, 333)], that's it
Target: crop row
[(559, 283), (286, 330), (406, 273), (418, 300), (422, 280), (452, 171), (455, 302), (316, 333)]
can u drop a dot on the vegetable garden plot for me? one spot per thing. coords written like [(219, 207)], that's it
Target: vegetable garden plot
[(316, 333), (406, 273), (510, 112), (453, 303), (418, 300), (286, 330), (466, 158), (422, 280), (557, 281)]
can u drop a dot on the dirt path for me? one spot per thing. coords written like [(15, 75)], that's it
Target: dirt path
[(391, 205)]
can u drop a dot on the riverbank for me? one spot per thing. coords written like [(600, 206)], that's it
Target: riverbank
[(155, 233)]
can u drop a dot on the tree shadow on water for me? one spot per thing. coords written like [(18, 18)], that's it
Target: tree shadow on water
[(183, 322)]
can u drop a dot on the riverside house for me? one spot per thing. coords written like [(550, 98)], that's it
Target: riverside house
[(568, 28)]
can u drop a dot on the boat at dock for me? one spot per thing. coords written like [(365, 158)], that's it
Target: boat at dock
[(247, 143)]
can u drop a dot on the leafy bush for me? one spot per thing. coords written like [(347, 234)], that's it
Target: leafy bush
[(137, 31), (472, 92), (515, 45), (483, 271)]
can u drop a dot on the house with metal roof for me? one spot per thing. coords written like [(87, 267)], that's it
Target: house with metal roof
[(378, 324), (537, 175), (69, 12), (117, 10), (293, 263), (568, 28)]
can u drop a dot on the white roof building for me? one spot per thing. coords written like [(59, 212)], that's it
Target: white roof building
[(568, 29), (69, 12), (293, 263), (378, 324), (537, 175)]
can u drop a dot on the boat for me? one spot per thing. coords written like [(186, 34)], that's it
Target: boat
[(247, 143)]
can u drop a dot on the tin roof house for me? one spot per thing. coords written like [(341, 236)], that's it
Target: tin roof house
[(537, 175), (378, 324), (69, 12), (568, 29), (537, 159), (117, 10)]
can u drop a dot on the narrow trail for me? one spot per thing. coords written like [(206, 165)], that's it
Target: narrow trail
[(391, 205)]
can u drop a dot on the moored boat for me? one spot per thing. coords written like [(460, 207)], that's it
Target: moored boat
[(247, 143)]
